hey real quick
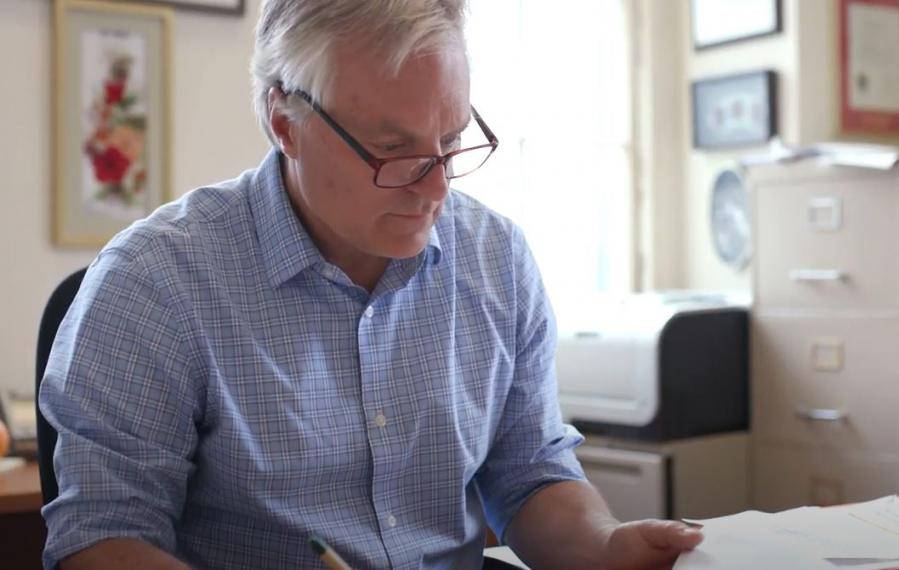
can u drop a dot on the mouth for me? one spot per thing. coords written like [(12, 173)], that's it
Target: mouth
[(423, 216)]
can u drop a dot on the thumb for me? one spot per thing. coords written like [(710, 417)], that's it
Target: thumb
[(670, 535)]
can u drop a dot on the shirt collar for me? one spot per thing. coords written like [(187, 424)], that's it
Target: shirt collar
[(287, 248)]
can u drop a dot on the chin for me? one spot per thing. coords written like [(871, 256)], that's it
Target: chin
[(401, 238), (396, 247), (404, 251)]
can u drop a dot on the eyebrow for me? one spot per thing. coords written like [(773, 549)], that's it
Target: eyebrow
[(390, 127)]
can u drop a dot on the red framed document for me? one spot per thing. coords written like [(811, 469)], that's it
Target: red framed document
[(869, 68)]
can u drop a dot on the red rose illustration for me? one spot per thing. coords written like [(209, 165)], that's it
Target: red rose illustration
[(114, 91), (110, 165)]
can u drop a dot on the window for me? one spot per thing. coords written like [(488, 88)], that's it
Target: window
[(553, 80)]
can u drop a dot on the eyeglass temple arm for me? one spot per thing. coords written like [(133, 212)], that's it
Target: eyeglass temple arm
[(489, 133), (347, 138), (360, 150)]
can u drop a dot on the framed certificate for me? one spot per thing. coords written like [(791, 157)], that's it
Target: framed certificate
[(719, 22), (868, 72)]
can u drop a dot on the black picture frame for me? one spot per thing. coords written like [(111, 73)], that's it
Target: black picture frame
[(226, 7), (702, 17), (734, 110)]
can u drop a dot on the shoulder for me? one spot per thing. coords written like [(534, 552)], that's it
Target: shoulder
[(206, 219), (474, 227), (486, 253)]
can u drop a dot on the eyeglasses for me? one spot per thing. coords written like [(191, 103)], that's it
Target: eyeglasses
[(407, 170)]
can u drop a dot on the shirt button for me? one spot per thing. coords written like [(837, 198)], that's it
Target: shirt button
[(380, 420), (369, 312), (391, 521)]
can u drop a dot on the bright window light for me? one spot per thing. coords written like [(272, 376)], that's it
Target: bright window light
[(553, 80)]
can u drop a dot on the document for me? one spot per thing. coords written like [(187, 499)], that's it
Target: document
[(862, 536), (873, 156)]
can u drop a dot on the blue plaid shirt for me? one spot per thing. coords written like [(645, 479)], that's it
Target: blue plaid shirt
[(222, 392)]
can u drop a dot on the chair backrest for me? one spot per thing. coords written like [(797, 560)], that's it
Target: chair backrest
[(56, 309)]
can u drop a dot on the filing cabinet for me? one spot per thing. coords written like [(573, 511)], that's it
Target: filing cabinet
[(824, 334)]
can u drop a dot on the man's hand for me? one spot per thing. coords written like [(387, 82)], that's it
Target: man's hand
[(647, 545), (568, 525)]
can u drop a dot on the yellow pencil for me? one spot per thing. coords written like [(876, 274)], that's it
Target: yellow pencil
[(327, 555)]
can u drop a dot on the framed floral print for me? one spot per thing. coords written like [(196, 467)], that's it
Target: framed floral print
[(226, 7), (111, 117)]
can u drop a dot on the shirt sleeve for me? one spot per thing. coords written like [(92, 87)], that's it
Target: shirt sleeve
[(119, 392), (532, 447)]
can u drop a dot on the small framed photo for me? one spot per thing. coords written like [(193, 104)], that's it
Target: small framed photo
[(719, 22), (230, 7), (735, 110), (868, 75), (111, 117)]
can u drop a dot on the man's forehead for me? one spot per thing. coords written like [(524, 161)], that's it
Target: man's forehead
[(411, 126), (410, 117), (428, 91)]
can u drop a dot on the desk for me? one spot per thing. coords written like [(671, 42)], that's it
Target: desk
[(22, 530)]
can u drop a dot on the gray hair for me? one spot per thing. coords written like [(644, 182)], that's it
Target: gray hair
[(296, 41)]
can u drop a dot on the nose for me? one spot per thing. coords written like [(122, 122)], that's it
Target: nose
[(434, 186)]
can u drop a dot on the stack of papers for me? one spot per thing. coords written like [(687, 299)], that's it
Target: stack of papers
[(862, 536), (877, 157)]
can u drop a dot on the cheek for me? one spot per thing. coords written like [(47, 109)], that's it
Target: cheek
[(342, 195)]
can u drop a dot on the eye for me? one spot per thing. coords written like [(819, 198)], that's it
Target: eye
[(452, 143), (390, 147)]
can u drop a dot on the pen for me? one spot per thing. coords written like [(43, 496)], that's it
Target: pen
[(327, 555)]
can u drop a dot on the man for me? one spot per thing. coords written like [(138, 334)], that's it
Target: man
[(332, 344)]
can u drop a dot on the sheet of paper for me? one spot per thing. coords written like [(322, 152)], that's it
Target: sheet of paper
[(737, 548), (862, 536), (865, 530)]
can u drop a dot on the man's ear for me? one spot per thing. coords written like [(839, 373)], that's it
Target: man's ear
[(281, 125)]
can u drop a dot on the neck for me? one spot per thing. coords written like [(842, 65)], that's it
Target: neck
[(363, 269)]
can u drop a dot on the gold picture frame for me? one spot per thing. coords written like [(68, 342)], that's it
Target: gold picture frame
[(224, 7), (112, 117)]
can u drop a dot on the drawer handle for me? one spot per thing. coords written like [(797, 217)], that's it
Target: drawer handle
[(817, 275), (822, 415)]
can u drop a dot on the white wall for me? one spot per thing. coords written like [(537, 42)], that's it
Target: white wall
[(215, 137), (659, 152)]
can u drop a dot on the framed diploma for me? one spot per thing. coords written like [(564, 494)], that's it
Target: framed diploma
[(720, 22), (868, 70)]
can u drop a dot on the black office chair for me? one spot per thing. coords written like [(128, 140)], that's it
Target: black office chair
[(56, 309)]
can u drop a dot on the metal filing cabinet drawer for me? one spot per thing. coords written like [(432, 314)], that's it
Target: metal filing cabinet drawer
[(823, 243), (633, 483), (792, 476), (826, 381)]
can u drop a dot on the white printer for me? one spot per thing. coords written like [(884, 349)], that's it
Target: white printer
[(658, 367)]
